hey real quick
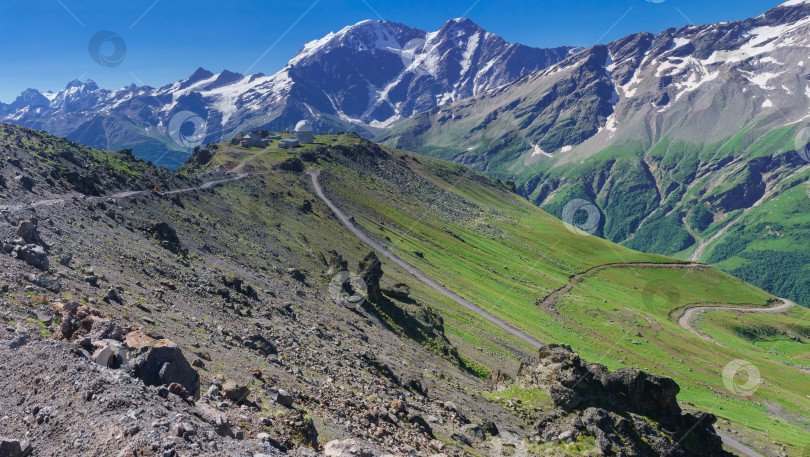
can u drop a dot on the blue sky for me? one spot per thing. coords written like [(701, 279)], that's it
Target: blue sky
[(44, 43)]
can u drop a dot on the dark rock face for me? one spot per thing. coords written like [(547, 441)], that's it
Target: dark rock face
[(261, 344), (27, 183), (629, 412), (294, 165), (627, 388), (167, 237), (163, 364), (14, 448), (201, 156), (400, 290), (87, 185), (371, 272), (238, 284), (33, 255)]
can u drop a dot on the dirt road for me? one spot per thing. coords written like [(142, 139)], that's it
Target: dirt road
[(550, 300), (124, 194), (690, 313)]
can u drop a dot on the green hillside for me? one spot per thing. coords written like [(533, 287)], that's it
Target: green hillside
[(741, 204), (498, 250)]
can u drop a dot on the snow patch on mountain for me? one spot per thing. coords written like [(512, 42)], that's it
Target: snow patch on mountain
[(795, 3), (538, 151), (763, 40), (679, 42), (761, 79)]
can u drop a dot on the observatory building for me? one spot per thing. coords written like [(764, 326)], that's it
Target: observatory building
[(304, 132)]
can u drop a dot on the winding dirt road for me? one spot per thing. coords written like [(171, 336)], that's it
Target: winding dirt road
[(418, 274), (689, 314), (550, 300), (124, 194)]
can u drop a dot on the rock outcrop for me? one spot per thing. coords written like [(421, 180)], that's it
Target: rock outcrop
[(163, 363), (371, 272), (628, 412), (167, 237)]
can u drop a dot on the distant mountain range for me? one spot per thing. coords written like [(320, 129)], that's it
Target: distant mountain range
[(691, 142), (365, 77)]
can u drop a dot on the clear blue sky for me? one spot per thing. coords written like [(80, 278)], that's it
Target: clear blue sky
[(44, 43)]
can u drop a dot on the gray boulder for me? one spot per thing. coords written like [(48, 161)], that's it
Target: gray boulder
[(183, 430), (235, 392), (27, 230), (474, 430), (19, 341), (261, 344), (281, 396), (106, 330), (110, 354), (46, 282), (163, 364), (114, 296), (33, 255), (14, 448), (209, 414)]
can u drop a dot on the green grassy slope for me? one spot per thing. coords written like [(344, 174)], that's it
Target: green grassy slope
[(670, 197), (500, 251)]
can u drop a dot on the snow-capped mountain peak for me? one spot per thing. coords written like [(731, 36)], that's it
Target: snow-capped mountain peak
[(364, 77)]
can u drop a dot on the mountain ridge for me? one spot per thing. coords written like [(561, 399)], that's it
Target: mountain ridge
[(364, 77)]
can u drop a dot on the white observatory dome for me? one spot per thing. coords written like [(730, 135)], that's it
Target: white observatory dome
[(303, 126)]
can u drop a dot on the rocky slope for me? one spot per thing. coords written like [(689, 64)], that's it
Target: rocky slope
[(690, 142), (364, 77), (627, 412), (197, 320)]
